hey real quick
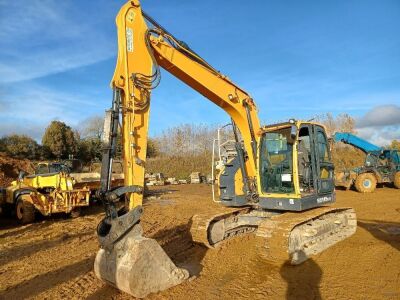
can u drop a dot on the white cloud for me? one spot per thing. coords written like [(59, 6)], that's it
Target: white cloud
[(33, 107), (383, 115), (380, 125), (381, 136), (39, 38)]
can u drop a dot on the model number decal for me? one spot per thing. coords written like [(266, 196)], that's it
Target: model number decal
[(324, 199), (129, 39)]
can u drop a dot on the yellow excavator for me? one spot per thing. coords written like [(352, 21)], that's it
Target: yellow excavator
[(276, 185)]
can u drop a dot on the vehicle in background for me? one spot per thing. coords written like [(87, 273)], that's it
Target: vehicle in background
[(46, 193), (172, 181), (88, 176), (197, 177), (154, 179), (381, 166)]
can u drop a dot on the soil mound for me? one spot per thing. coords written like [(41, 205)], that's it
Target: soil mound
[(10, 168)]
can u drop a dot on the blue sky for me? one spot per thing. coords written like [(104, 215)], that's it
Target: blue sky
[(296, 58)]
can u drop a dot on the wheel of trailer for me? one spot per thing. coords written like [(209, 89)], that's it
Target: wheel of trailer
[(396, 181), (75, 213), (24, 211), (365, 183)]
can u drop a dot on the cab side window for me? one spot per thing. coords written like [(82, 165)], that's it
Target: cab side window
[(323, 155), (41, 169), (323, 149)]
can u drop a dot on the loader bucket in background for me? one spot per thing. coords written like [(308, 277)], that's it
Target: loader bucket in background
[(138, 265)]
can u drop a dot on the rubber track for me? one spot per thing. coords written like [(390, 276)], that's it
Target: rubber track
[(277, 230), (201, 223)]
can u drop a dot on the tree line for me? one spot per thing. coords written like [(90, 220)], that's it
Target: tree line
[(177, 150), (61, 141)]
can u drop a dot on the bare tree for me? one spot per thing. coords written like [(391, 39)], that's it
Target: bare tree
[(91, 127), (342, 123), (330, 124), (187, 139), (395, 145), (346, 123)]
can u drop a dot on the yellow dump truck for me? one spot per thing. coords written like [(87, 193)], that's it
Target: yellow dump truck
[(47, 193)]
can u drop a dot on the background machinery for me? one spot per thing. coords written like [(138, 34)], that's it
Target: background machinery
[(46, 193), (275, 186), (83, 176), (380, 166), (197, 177)]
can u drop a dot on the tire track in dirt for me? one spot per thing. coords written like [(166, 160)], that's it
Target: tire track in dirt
[(45, 281), (15, 253)]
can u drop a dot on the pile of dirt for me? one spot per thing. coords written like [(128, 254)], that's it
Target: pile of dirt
[(10, 168), (346, 157)]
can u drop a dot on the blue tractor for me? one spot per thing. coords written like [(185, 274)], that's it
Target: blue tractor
[(381, 165)]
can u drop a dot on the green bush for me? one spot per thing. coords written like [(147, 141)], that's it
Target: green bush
[(20, 146)]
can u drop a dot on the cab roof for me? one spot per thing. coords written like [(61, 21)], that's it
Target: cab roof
[(289, 123)]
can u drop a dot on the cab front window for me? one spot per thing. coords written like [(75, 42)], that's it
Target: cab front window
[(276, 161)]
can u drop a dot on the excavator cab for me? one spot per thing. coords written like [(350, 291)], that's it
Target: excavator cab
[(307, 170), (295, 170)]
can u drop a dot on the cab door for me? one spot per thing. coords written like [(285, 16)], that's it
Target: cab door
[(322, 161), (395, 157)]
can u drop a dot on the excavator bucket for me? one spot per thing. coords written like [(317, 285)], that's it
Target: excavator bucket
[(135, 264)]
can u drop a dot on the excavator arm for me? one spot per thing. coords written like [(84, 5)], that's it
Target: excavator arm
[(141, 51)]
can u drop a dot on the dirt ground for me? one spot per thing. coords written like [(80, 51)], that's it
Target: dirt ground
[(53, 258)]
